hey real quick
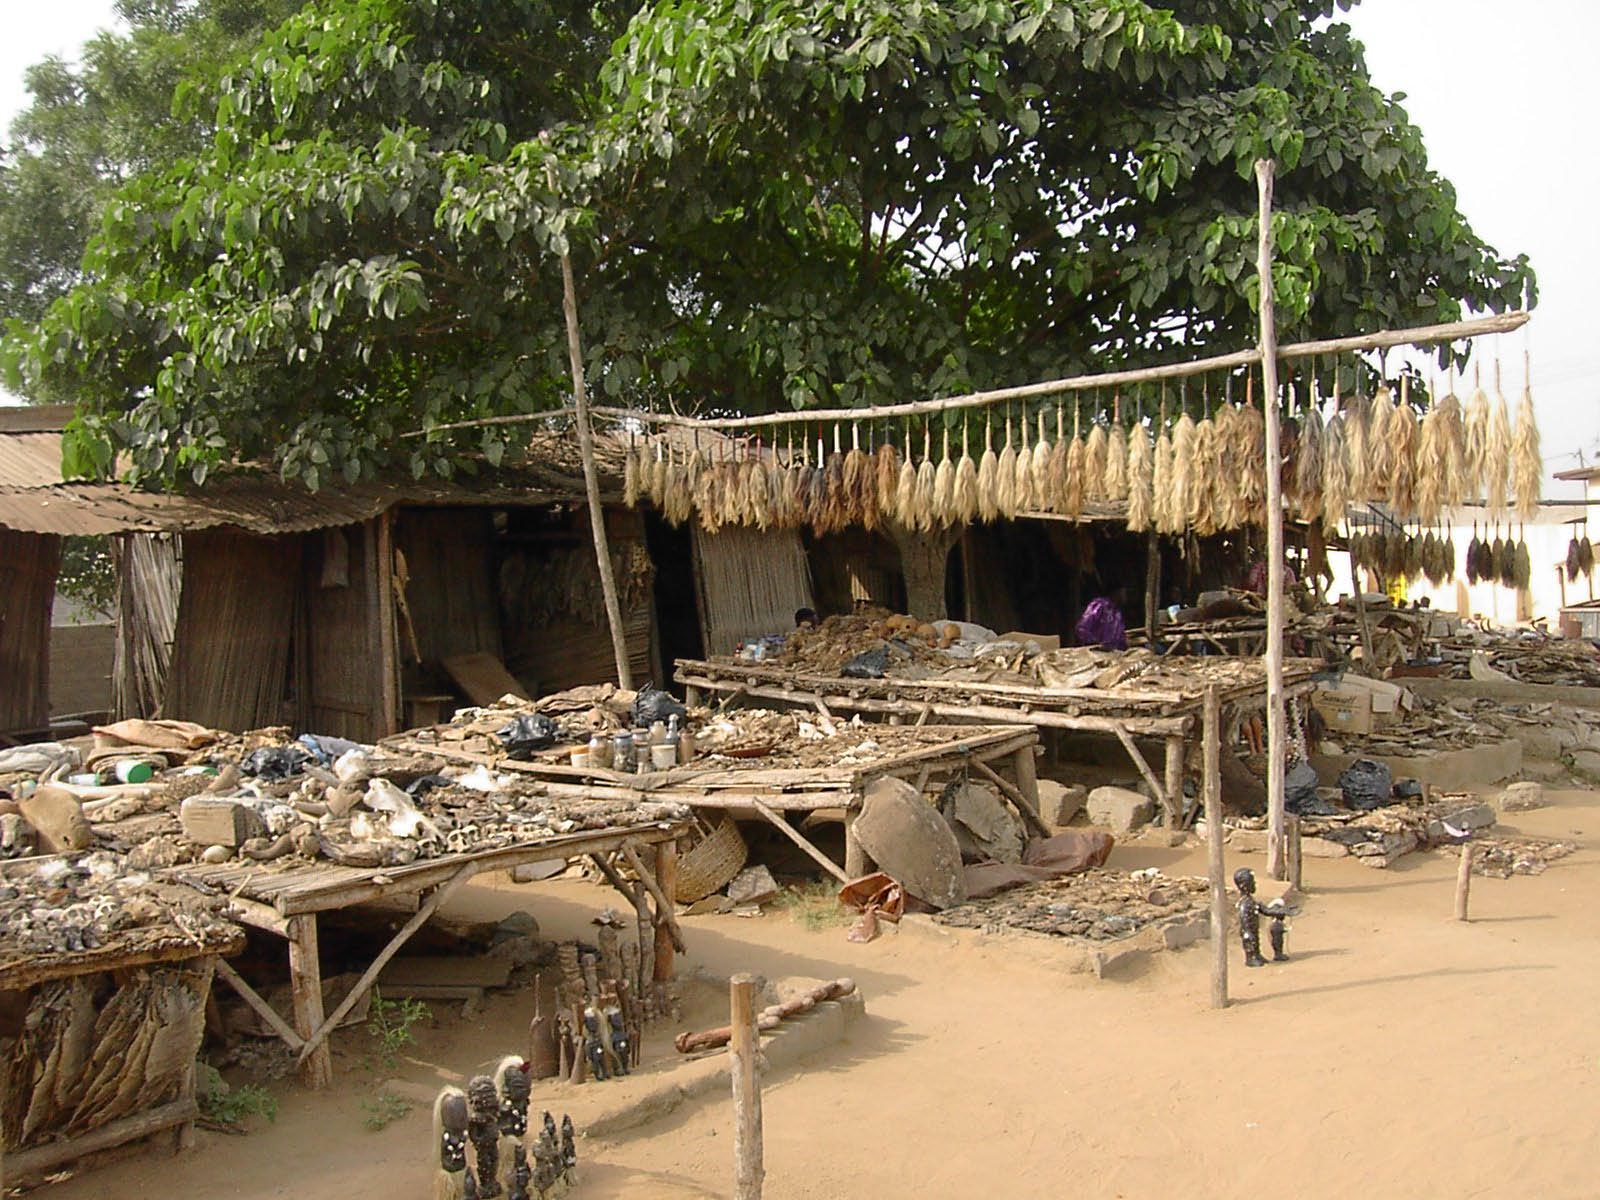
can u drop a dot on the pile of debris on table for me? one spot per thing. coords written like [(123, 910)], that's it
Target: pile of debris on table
[(1519, 656), (1098, 905)]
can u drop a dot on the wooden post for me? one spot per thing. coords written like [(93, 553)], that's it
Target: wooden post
[(856, 863), (744, 1048), (667, 879), (1027, 773), (305, 982), (591, 482), (1172, 772), (1291, 833), (1152, 586), (1211, 748), (1463, 881), (1275, 557)]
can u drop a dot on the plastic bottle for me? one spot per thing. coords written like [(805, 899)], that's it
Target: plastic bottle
[(133, 770)]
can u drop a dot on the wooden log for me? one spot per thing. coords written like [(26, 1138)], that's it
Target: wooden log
[(799, 839), (1292, 849), (305, 980), (744, 1048), (22, 1166), (1276, 865), (1143, 764), (669, 937), (1211, 749), (591, 479), (257, 1002), (1030, 816), (364, 984), (1027, 773), (1172, 778), (770, 1018), (1463, 881), (665, 917), (856, 862)]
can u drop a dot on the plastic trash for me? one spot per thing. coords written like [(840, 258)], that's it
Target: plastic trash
[(1366, 784), (37, 757), (353, 766), (652, 705), (869, 664), (1300, 792), (327, 750), (527, 733), (275, 762), (423, 784)]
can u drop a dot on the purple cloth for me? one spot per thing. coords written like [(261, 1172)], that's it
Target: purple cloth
[(1101, 625)]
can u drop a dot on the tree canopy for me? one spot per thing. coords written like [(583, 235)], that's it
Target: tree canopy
[(769, 206)]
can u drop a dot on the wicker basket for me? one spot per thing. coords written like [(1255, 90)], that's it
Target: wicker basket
[(711, 863)]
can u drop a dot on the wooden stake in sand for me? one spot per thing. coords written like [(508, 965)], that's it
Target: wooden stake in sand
[(749, 1169), (1211, 784), (1463, 881)]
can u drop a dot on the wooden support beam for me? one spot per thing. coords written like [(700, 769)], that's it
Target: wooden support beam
[(669, 937), (305, 983), (1030, 816), (368, 977), (23, 1166), (856, 862), (664, 905), (1211, 788), (799, 839), (1144, 766), (1172, 770), (256, 1001), (744, 1052), (1275, 554)]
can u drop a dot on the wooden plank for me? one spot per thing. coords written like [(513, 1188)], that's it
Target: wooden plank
[(305, 981), (799, 839), (316, 1039), (744, 1053), (22, 1166), (257, 1002), (1172, 777), (482, 677), (1139, 761), (43, 968)]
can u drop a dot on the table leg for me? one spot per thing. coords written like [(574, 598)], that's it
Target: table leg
[(1173, 772), (1027, 774), (305, 981), (856, 862), (667, 878)]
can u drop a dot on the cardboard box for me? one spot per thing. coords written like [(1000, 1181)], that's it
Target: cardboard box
[(1344, 711)]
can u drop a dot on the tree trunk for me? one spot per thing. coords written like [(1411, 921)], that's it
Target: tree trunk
[(924, 559)]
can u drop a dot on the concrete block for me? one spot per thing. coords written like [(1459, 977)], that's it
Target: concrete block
[(1520, 797), (1119, 809)]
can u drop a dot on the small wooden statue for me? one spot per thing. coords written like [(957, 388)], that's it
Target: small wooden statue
[(450, 1121), (483, 1130)]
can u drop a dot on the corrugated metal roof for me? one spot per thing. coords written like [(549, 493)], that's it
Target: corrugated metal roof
[(30, 460), (34, 418)]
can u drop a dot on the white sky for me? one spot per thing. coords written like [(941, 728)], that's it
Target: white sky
[(1498, 101)]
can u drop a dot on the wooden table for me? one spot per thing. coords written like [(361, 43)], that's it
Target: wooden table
[(286, 902), (1125, 712)]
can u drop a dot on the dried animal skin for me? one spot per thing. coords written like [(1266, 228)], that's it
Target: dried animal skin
[(1402, 441), (658, 476), (1380, 444), (1451, 452), (966, 486), (1474, 441), (1522, 566), (708, 498), (1497, 455), (1430, 483), (678, 500), (630, 478), (1585, 556), (1140, 480), (1527, 471), (1116, 478), (1358, 459), (780, 486), (887, 470), (857, 468), (1335, 474), (836, 513), (758, 495), (1203, 483), (1472, 557), (944, 487), (1308, 467), (1183, 466), (1094, 463), (1005, 481), (988, 478), (1250, 441)]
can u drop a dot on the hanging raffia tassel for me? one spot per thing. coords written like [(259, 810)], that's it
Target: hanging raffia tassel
[(677, 501), (1040, 471), (758, 500), (858, 468), (1116, 478), (657, 488), (1094, 462), (1023, 487), (926, 512), (905, 490), (1060, 461), (1250, 440), (1161, 488), (814, 495), (708, 496), (1005, 478), (780, 487), (1183, 436), (1527, 470), (1475, 438), (1403, 439), (1203, 484), (988, 475), (1308, 468), (944, 487), (966, 485), (1432, 455), (630, 477), (1358, 463), (1076, 474), (1381, 443), (1140, 479), (887, 470), (731, 493), (836, 514), (1497, 453), (1335, 473)]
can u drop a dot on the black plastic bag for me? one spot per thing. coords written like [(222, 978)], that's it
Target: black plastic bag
[(1300, 793), (869, 664), (652, 705), (423, 784), (527, 733), (1366, 784), (273, 763)]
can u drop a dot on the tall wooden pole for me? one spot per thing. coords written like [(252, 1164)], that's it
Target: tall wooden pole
[(1276, 864), (749, 1167), (1211, 790), (591, 482)]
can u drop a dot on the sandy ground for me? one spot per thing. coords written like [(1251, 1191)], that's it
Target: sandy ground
[(1400, 1054)]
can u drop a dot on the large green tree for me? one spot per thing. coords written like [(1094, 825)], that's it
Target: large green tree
[(95, 124), (769, 206)]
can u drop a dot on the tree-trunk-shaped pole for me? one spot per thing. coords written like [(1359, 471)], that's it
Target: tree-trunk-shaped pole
[(591, 481), (744, 1048), (1211, 791), (1275, 560)]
